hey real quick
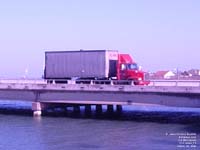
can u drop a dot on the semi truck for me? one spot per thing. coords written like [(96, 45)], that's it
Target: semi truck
[(92, 65)]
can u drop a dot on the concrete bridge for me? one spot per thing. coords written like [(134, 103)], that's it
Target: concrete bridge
[(43, 95)]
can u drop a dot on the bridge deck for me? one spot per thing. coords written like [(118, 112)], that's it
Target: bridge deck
[(178, 96)]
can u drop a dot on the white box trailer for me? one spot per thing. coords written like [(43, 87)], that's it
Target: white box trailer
[(81, 64)]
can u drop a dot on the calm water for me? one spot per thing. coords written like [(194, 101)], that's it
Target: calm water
[(19, 132)]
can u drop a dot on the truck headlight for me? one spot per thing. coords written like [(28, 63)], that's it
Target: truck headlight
[(139, 79)]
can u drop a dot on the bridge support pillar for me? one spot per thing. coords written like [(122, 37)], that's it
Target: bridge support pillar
[(37, 109), (119, 108), (98, 109), (77, 109), (88, 109), (110, 108), (66, 110)]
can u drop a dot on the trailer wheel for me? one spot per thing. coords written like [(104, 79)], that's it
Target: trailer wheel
[(133, 82), (49, 81)]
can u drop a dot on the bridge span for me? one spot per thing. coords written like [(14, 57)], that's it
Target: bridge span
[(43, 95)]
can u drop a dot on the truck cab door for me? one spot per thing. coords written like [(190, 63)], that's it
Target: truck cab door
[(123, 72)]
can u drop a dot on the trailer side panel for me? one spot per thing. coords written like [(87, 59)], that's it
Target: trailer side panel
[(83, 64)]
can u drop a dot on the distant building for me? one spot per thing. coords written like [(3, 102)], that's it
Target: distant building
[(185, 74), (194, 72), (169, 75), (164, 75), (159, 74)]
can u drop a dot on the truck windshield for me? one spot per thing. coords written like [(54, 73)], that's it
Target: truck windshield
[(132, 66)]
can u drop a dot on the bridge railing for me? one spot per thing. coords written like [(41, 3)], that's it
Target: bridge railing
[(23, 81), (193, 83)]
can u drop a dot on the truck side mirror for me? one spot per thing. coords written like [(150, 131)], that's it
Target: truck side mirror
[(140, 68), (123, 67)]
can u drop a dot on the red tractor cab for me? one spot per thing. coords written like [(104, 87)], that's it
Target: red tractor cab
[(129, 70)]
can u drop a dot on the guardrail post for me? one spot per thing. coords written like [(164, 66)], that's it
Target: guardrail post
[(132, 83), (91, 82), (176, 83), (71, 82), (111, 82), (54, 82)]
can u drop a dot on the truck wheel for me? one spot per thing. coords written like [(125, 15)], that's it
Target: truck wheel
[(49, 81)]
